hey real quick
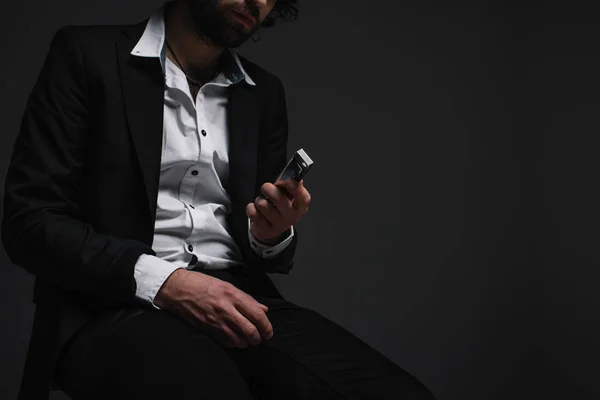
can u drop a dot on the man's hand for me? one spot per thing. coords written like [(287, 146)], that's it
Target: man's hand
[(229, 315), (280, 206)]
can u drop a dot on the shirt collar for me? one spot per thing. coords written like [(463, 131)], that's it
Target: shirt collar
[(152, 44)]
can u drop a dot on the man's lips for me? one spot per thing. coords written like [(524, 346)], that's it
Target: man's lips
[(245, 18)]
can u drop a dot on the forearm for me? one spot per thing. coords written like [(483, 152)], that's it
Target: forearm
[(282, 263), (70, 253), (150, 274), (43, 229), (273, 248)]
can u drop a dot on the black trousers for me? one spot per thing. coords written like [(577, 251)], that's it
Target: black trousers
[(144, 353)]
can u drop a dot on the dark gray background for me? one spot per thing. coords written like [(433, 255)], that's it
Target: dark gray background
[(567, 224), (418, 239)]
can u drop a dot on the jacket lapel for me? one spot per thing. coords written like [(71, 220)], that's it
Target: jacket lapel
[(142, 83), (244, 123)]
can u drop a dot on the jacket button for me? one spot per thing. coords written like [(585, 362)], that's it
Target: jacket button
[(194, 172), (190, 247)]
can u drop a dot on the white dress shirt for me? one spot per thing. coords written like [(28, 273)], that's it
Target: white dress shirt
[(191, 227)]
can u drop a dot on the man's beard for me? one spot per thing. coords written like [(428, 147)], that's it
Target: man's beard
[(217, 24)]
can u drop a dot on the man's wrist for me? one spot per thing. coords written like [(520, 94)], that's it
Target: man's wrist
[(276, 240), (165, 294)]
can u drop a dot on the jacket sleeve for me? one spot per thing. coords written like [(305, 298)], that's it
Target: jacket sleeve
[(272, 159), (43, 230)]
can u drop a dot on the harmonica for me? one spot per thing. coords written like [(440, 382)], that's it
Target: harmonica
[(297, 167)]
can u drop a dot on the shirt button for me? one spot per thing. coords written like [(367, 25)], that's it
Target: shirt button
[(190, 247), (194, 172), (203, 132)]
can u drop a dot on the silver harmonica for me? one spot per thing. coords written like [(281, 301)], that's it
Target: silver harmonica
[(297, 167)]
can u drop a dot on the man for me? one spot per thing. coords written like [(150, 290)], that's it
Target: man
[(139, 196)]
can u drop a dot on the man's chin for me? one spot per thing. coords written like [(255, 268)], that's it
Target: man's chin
[(233, 40), (221, 40), (235, 45), (241, 34)]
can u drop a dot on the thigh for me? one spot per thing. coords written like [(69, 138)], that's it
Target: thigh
[(311, 357), (150, 354)]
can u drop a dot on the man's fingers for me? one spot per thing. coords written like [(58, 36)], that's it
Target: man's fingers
[(265, 308), (245, 328), (255, 215), (302, 199), (257, 317), (301, 196), (267, 210), (277, 197), (222, 333), (290, 186), (251, 211), (230, 337)]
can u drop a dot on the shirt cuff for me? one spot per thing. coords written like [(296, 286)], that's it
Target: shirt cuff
[(150, 273), (269, 251)]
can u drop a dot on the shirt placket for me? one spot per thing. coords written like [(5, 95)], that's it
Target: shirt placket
[(187, 187), (197, 172)]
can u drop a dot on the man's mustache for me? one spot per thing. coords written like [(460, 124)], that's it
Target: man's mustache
[(249, 9)]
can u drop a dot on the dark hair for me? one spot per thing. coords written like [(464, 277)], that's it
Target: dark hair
[(285, 10)]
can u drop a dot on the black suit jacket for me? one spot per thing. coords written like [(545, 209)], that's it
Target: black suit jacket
[(82, 184)]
